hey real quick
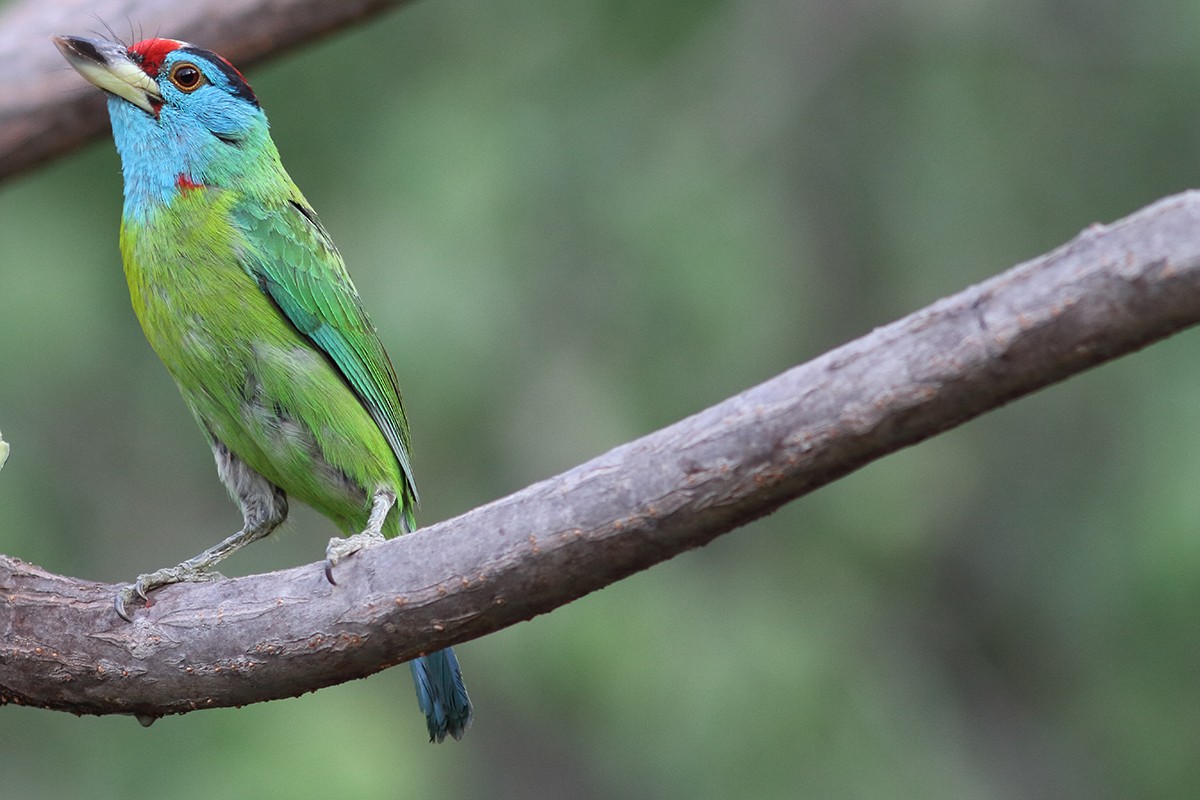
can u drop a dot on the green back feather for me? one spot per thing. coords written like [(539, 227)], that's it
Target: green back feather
[(295, 263)]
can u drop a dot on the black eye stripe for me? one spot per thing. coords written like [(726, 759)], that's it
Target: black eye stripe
[(235, 84)]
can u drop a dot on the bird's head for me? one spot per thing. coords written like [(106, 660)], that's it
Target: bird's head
[(181, 115)]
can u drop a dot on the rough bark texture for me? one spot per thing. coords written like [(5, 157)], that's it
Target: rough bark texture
[(46, 110), (1108, 292)]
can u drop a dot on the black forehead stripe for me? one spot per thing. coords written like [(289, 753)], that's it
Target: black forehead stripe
[(237, 84)]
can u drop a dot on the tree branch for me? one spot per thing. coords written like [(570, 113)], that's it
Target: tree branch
[(45, 110), (1108, 292)]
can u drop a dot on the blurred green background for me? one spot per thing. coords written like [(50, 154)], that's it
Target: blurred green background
[(577, 221)]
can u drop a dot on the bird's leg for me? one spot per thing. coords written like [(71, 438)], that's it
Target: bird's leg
[(264, 508), (339, 547), (196, 569)]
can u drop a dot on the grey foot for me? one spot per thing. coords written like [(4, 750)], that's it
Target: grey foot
[(154, 580), (340, 547)]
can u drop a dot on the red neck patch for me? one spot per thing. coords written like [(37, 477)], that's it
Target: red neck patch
[(186, 184), (149, 53)]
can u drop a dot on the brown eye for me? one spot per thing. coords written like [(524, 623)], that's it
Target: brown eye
[(186, 77)]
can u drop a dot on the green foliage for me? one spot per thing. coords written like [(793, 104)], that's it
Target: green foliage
[(576, 221)]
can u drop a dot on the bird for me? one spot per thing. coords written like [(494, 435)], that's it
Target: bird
[(243, 296)]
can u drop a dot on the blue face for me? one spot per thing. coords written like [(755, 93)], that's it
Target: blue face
[(200, 87), (208, 131)]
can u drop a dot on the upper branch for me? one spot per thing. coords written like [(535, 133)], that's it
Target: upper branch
[(46, 110), (1108, 292)]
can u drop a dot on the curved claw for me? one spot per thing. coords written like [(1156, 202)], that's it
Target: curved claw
[(127, 594), (144, 584), (339, 548), (120, 600)]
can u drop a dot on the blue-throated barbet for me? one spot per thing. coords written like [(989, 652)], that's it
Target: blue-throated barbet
[(244, 297)]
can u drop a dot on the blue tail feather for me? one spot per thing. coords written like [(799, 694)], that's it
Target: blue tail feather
[(442, 694)]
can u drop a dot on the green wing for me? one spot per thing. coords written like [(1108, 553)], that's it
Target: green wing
[(295, 262)]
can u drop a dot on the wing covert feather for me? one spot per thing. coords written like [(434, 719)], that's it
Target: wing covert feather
[(294, 261)]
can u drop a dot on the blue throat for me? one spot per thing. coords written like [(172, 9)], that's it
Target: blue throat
[(209, 150)]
